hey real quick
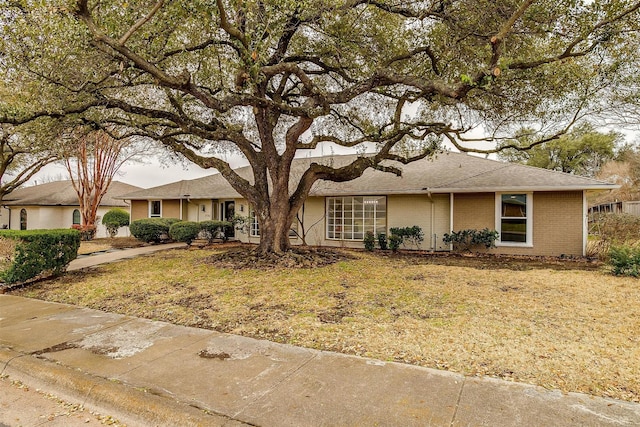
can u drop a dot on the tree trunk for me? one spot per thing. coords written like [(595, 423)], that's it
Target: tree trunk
[(274, 232), (275, 222)]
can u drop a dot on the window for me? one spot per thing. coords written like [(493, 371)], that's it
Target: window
[(76, 217), (23, 219), (349, 218), (155, 208), (513, 219), (253, 224), (255, 227)]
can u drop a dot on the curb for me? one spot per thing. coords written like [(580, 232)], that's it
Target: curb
[(130, 405)]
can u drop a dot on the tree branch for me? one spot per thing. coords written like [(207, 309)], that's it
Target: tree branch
[(140, 23)]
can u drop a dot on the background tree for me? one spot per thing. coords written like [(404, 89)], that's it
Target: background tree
[(93, 159), (582, 151), (623, 170), (272, 79)]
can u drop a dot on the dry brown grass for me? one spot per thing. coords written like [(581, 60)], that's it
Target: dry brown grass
[(563, 325), (104, 244)]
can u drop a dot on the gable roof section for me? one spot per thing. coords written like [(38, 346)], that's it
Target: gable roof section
[(448, 172), (61, 193)]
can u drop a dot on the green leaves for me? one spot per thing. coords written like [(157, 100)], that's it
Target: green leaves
[(40, 252), (583, 151)]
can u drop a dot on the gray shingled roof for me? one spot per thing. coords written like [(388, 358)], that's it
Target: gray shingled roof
[(447, 173), (61, 193)]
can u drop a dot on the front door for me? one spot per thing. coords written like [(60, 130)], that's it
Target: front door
[(228, 209)]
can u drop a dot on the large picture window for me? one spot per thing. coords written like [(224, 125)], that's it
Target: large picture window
[(513, 219), (349, 218)]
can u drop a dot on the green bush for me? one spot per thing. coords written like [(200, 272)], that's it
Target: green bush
[(465, 240), (184, 231), (39, 252), (369, 241), (216, 229), (382, 241), (625, 261), (395, 242), (413, 235), (152, 230), (114, 219)]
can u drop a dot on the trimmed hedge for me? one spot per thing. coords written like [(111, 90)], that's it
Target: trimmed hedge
[(214, 228), (152, 230), (38, 252), (184, 231), (114, 219)]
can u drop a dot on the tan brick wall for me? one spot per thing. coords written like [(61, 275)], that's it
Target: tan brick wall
[(474, 211), (409, 210), (171, 208), (557, 221), (139, 209)]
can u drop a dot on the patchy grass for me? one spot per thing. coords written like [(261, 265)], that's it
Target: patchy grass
[(565, 325)]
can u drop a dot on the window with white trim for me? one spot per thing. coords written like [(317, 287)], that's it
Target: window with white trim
[(155, 208), (349, 218), (514, 219)]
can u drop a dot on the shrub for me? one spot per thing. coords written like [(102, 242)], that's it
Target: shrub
[(216, 229), (465, 240), (625, 261), (394, 242), (114, 219), (609, 230), (87, 232), (382, 241), (369, 241), (184, 231), (39, 252), (152, 230), (413, 234), (616, 227)]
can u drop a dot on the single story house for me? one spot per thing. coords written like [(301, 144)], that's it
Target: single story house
[(55, 205), (536, 211)]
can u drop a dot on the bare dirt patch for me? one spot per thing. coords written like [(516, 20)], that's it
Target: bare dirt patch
[(246, 257)]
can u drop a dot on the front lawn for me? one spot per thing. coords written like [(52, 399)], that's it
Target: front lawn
[(565, 325)]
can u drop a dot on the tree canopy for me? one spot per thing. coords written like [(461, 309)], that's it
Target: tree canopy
[(271, 80), (582, 151)]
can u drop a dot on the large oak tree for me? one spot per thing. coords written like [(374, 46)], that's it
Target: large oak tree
[(271, 79)]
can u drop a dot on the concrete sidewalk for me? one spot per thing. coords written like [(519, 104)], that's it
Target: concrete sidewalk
[(149, 373)]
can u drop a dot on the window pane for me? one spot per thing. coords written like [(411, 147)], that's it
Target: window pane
[(355, 216), (514, 205), (514, 230), (155, 208)]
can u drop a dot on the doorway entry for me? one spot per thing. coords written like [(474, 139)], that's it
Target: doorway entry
[(227, 212)]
